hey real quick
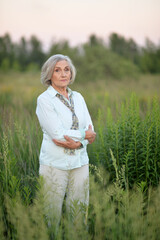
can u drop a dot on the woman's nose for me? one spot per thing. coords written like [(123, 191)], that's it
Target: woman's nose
[(63, 73)]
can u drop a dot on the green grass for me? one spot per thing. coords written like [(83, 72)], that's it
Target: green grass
[(125, 161)]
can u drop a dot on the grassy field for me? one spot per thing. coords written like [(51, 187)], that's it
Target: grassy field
[(125, 161), (99, 94)]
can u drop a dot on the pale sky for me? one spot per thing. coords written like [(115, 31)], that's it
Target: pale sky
[(76, 20)]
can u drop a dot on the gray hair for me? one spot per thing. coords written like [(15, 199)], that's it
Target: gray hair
[(49, 65)]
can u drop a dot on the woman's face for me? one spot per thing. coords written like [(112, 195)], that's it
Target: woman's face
[(61, 75)]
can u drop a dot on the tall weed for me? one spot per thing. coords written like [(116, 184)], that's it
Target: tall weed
[(114, 213), (133, 139)]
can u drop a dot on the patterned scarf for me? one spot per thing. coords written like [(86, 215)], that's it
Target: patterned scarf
[(75, 122)]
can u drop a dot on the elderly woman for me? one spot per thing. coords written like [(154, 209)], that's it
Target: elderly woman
[(67, 129)]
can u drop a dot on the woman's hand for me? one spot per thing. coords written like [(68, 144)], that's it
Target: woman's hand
[(69, 143), (90, 135)]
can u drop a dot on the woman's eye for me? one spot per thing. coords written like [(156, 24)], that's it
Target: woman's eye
[(57, 70), (67, 69)]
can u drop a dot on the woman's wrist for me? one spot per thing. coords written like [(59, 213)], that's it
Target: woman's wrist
[(83, 133), (79, 144), (87, 134)]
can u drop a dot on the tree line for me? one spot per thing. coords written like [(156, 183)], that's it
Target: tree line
[(95, 59)]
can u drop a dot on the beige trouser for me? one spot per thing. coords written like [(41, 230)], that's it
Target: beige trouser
[(74, 183)]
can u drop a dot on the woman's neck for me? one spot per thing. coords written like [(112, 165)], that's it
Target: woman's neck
[(62, 90)]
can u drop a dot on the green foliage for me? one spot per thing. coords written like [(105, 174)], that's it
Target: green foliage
[(124, 169), (6, 49), (133, 140), (126, 48), (32, 67), (98, 63), (93, 59), (113, 213), (16, 66), (22, 53), (150, 58), (5, 65), (63, 47)]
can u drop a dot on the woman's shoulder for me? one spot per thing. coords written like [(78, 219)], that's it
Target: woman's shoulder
[(77, 94), (43, 96)]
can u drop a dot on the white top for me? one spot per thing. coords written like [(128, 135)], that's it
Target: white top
[(55, 119)]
